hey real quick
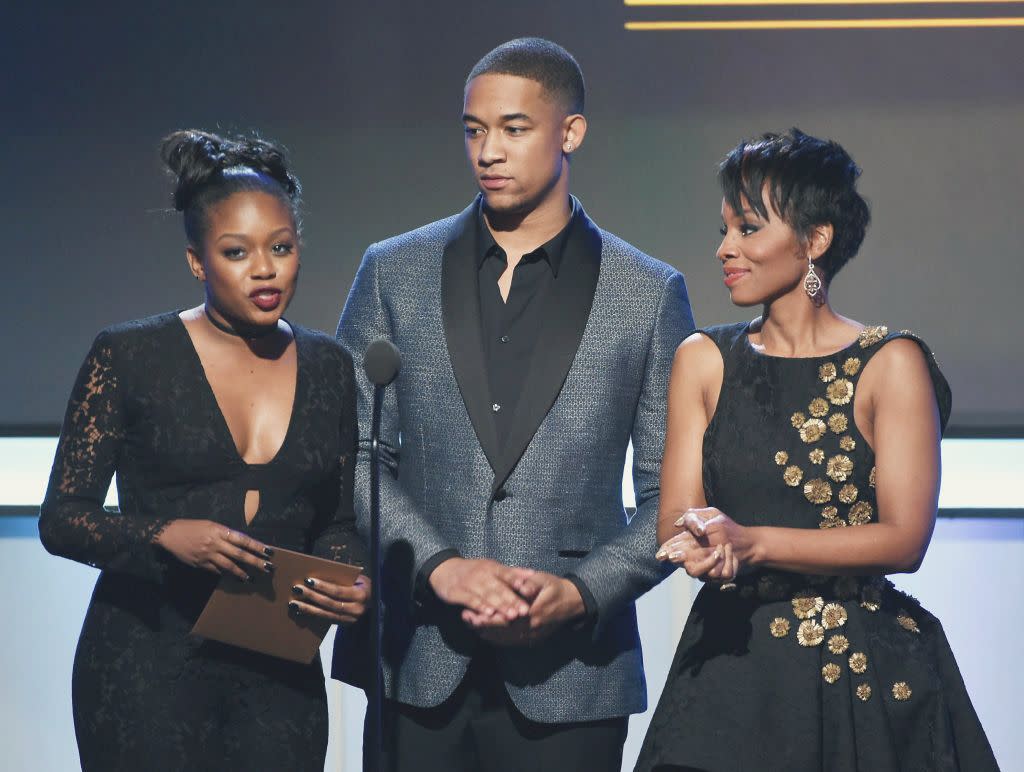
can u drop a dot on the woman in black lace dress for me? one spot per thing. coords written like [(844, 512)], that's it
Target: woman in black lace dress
[(802, 466), (229, 430)]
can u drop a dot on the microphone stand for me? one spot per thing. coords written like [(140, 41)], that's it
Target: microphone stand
[(375, 694), (381, 363)]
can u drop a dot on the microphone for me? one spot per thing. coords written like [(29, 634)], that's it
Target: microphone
[(381, 362)]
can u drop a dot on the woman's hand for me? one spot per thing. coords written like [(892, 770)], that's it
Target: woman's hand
[(712, 545), (695, 556), (337, 603), (214, 547)]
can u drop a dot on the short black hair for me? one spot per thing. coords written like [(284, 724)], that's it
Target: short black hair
[(208, 168), (810, 182), (542, 61)]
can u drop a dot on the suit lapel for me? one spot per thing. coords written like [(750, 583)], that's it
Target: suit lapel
[(565, 313), (460, 311)]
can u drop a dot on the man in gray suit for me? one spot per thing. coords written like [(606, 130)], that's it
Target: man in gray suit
[(535, 346)]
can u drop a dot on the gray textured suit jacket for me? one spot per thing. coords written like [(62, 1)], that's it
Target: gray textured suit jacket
[(551, 499)]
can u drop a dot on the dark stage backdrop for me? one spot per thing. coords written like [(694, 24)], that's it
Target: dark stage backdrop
[(367, 96)]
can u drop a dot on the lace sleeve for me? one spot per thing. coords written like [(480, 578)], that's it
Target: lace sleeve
[(72, 520), (336, 537)]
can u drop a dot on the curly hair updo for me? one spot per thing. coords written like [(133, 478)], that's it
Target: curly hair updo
[(209, 168)]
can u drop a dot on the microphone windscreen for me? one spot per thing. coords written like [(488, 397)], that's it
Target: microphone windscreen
[(381, 362)]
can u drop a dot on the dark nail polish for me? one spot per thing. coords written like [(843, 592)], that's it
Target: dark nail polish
[(268, 552), (268, 567), (310, 582), (294, 608), (296, 590)]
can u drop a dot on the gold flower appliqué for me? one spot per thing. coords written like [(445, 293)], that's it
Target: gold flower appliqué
[(838, 423), (839, 467), (858, 662), (901, 691), (860, 513), (817, 491), (848, 493), (833, 616), (818, 407), (831, 672), (806, 605), (838, 644), (840, 392), (869, 336), (812, 430), (810, 633)]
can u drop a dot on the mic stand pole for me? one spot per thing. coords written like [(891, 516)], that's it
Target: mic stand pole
[(375, 694)]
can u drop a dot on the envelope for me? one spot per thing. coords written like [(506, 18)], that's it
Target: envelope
[(254, 615)]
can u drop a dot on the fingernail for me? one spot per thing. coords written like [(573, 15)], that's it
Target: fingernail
[(680, 521), (310, 582), (296, 590), (660, 554), (268, 566), (294, 608), (268, 552)]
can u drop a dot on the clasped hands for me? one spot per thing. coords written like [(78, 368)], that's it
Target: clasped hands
[(505, 605), (710, 545)]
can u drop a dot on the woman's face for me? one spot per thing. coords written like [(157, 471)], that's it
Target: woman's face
[(249, 258), (762, 259)]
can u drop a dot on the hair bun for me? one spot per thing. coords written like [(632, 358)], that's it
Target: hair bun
[(197, 158)]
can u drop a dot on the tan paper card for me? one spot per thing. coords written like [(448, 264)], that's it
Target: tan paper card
[(254, 615)]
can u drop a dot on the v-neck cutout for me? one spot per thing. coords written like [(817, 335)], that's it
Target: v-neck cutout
[(225, 427)]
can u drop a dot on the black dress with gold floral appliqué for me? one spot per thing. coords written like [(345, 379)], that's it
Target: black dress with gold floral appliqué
[(146, 694), (793, 672)]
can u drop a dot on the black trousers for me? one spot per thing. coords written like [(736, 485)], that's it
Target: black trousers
[(479, 729)]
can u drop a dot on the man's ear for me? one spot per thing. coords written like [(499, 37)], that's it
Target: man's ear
[(574, 129)]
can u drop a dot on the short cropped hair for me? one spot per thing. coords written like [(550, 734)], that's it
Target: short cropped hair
[(810, 182), (542, 61)]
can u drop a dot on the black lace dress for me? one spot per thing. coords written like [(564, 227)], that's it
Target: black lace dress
[(146, 694), (793, 672)]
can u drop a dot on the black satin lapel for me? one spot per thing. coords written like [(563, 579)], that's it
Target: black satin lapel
[(460, 312), (565, 315)]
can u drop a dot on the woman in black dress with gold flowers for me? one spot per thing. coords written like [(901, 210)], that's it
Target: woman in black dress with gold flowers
[(802, 466), (229, 430)]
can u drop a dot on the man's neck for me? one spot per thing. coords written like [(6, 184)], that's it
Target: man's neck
[(521, 233)]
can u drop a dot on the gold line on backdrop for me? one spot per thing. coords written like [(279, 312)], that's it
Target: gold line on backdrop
[(776, 24), (767, 24)]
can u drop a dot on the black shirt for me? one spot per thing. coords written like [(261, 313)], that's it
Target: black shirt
[(511, 329)]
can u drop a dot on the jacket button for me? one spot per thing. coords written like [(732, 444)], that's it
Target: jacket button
[(501, 494)]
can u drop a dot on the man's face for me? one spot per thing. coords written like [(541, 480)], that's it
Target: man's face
[(514, 141)]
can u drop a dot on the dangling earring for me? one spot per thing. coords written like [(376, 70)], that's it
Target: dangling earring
[(813, 285)]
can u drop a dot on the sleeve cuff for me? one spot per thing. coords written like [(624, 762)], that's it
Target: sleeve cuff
[(589, 603), (422, 589)]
